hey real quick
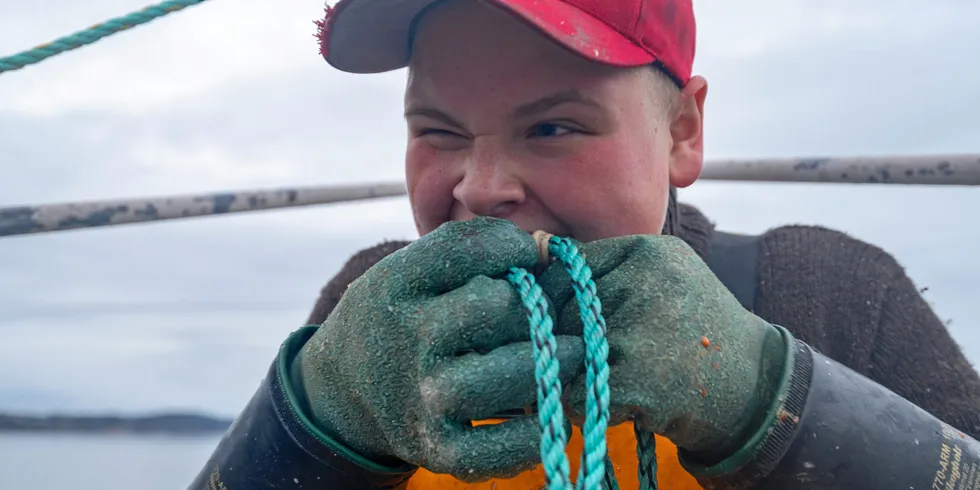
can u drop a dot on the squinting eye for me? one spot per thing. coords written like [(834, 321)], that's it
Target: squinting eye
[(548, 130), (440, 132)]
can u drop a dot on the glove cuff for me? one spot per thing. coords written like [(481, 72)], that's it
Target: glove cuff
[(301, 426), (273, 444), (766, 446)]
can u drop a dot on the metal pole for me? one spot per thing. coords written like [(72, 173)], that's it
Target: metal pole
[(922, 170), (23, 220)]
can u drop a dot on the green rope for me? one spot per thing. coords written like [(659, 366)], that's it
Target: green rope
[(92, 34), (596, 470)]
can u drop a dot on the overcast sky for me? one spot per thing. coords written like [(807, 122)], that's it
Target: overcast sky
[(232, 94)]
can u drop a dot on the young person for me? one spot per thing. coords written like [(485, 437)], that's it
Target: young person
[(815, 364)]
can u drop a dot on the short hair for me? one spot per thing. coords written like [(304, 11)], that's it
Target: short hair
[(664, 91)]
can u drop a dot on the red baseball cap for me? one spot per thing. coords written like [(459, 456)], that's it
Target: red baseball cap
[(374, 36)]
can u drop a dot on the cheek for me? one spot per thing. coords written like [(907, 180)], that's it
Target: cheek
[(430, 179), (608, 188)]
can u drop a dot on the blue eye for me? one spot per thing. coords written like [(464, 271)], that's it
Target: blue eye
[(548, 130)]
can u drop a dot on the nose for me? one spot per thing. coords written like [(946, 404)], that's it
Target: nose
[(491, 185)]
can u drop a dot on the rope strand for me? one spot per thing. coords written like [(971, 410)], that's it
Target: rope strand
[(93, 34), (596, 471), (551, 415)]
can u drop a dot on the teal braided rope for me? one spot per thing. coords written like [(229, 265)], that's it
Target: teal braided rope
[(592, 470), (646, 452), (93, 34), (610, 483), (596, 471), (551, 416)]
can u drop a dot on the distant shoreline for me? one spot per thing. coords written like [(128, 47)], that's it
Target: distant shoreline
[(166, 423)]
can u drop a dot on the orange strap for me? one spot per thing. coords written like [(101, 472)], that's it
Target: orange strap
[(622, 452)]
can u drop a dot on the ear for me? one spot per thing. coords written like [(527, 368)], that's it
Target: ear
[(686, 133)]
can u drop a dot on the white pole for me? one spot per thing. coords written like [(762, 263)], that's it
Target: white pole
[(920, 170), (23, 220), (923, 170)]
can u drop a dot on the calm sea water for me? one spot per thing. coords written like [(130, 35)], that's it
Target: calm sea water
[(83, 462)]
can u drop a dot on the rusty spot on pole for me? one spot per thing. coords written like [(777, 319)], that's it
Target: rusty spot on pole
[(101, 217), (149, 211), (810, 163), (19, 220), (223, 202)]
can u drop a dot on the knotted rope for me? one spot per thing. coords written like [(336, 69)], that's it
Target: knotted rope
[(596, 471), (92, 34)]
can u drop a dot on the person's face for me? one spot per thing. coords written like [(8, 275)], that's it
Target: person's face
[(503, 122)]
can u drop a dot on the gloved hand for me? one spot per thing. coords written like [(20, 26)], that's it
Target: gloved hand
[(430, 338), (685, 358)]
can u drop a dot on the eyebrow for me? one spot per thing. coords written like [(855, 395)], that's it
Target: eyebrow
[(527, 110), (433, 114), (545, 103)]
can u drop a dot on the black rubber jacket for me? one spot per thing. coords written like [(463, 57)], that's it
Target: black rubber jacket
[(835, 430)]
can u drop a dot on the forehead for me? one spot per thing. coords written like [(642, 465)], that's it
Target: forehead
[(465, 48)]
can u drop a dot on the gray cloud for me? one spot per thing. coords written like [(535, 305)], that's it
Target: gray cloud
[(189, 314)]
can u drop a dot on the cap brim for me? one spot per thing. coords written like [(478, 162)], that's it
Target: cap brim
[(374, 36)]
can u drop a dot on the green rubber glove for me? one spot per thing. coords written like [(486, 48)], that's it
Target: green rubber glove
[(686, 360), (430, 338)]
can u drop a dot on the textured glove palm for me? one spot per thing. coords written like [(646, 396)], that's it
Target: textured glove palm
[(427, 340), (687, 361)]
